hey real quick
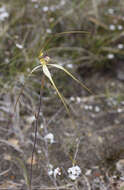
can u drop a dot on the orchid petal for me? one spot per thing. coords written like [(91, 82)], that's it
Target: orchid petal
[(36, 68), (47, 73), (62, 68)]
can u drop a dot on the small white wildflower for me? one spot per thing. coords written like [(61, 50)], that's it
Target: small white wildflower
[(50, 169), (119, 110), (72, 99), (88, 172), (41, 126), (86, 107), (39, 151), (90, 107), (48, 30), (112, 27), (120, 27), (3, 16), (120, 46), (114, 177), (19, 46), (50, 138), (110, 56), (31, 119), (6, 60), (45, 8), (70, 66), (3, 13), (74, 172), (111, 11), (78, 99), (97, 109), (56, 172), (50, 172)]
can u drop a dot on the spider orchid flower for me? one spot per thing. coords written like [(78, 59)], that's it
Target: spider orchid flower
[(44, 64)]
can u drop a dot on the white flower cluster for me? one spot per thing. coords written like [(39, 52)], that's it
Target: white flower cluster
[(70, 66), (53, 172), (77, 99), (50, 169), (74, 172), (111, 11), (3, 13), (45, 9), (49, 138), (113, 27), (110, 56), (97, 109), (120, 46), (120, 27), (48, 30), (88, 107), (19, 46)]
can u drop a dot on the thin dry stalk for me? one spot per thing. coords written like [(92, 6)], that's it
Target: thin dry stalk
[(36, 129)]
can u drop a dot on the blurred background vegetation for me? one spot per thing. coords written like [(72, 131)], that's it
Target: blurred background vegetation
[(26, 26), (96, 57)]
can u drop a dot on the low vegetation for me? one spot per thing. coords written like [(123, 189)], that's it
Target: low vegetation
[(86, 38)]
